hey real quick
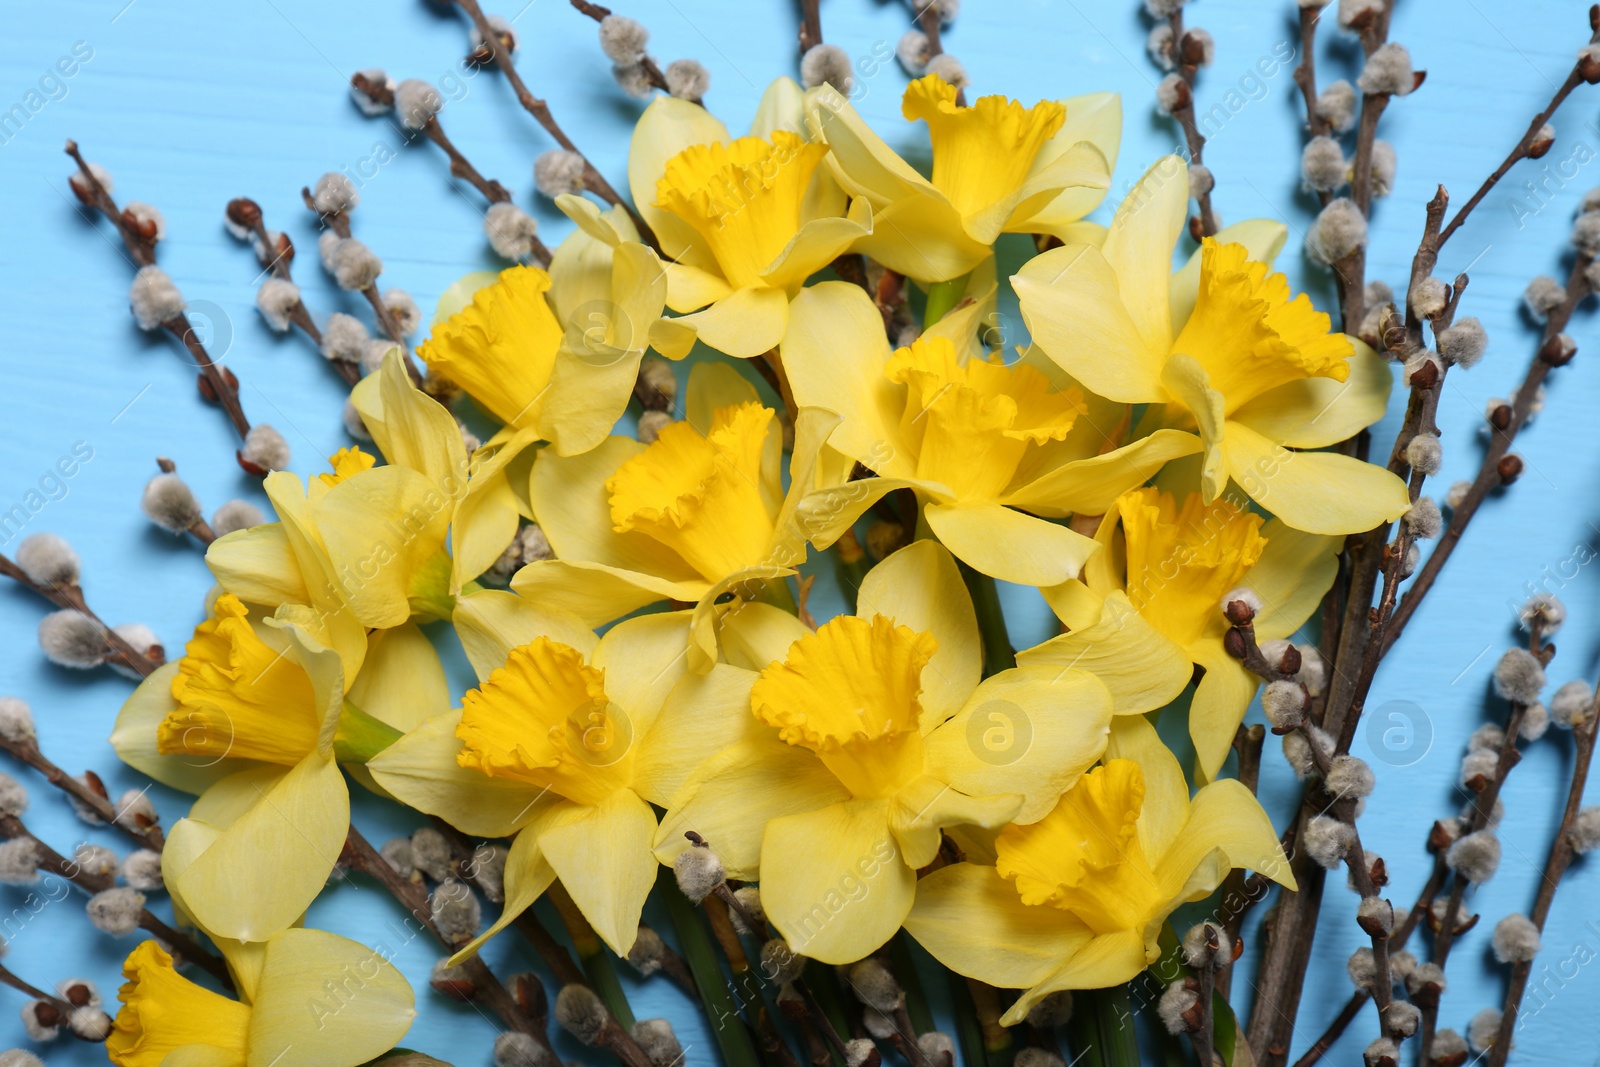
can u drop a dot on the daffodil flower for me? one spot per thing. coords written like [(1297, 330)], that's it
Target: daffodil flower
[(1174, 565), (556, 353), (869, 737), (1077, 899), (1242, 364), (697, 514), (254, 717), (746, 221), (998, 167), (318, 999), (993, 451), (565, 744)]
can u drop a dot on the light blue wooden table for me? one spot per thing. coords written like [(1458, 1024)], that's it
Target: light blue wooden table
[(191, 103)]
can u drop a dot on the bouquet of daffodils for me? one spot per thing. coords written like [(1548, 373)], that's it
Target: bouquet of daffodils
[(603, 468)]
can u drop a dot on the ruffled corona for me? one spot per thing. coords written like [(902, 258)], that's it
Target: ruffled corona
[(1084, 857), (972, 423), (544, 718), (502, 347), (162, 1011), (744, 198), (699, 494), (849, 693), (346, 463), (1182, 561), (982, 153), (237, 696), (1248, 333)]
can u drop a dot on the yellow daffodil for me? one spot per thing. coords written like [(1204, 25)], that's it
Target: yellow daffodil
[(998, 167), (1174, 565), (697, 514), (1077, 900), (868, 737), (1248, 368), (254, 717), (556, 353), (565, 744), (319, 1000), (993, 451), (746, 221)]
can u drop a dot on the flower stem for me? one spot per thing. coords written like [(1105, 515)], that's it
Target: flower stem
[(592, 955), (942, 296), (997, 652)]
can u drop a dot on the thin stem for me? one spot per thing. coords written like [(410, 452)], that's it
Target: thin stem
[(652, 71), (810, 25), (1184, 113), (28, 752)]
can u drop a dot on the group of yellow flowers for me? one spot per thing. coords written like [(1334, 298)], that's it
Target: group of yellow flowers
[(1125, 463)]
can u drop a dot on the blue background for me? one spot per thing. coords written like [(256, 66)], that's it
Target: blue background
[(191, 103)]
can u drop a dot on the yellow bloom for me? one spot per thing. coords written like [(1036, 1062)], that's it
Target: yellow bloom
[(556, 353), (331, 1001), (868, 738), (993, 451), (1219, 348), (566, 742), (345, 463), (998, 167), (254, 718), (745, 221), (1171, 567), (1077, 900), (699, 513)]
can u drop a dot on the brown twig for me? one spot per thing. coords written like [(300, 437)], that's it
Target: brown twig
[(1561, 852), (486, 988), (216, 386), (652, 71), (540, 110), (71, 597), (810, 25), (27, 751), (1205, 224), (55, 863)]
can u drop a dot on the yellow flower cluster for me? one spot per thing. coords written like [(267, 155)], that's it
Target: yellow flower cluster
[(1153, 449)]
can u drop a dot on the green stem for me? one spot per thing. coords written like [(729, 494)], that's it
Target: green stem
[(997, 652), (360, 736), (1102, 1028), (733, 1039), (969, 1035), (824, 986), (905, 969), (942, 296), (592, 954)]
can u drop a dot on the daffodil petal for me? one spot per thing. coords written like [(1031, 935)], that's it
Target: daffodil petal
[(375, 557), (745, 323), (414, 430), (1103, 961), (864, 163), (401, 681), (364, 1014), (1220, 701), (753, 634), (745, 585), (1226, 817), (1315, 412), (1166, 793), (1293, 574), (1318, 492), (690, 288), (1080, 166), (1097, 119), (833, 882), (923, 809), (1009, 545), (922, 236), (301, 823), (491, 623), (1031, 731), (1142, 669), (667, 127), (703, 715), (421, 771), (602, 856), (972, 921), (643, 659), (1263, 239), (527, 876), (596, 593), (1186, 380), (1072, 305), (731, 798), (1089, 486), (919, 586), (782, 107), (1139, 244), (819, 242), (258, 566)]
